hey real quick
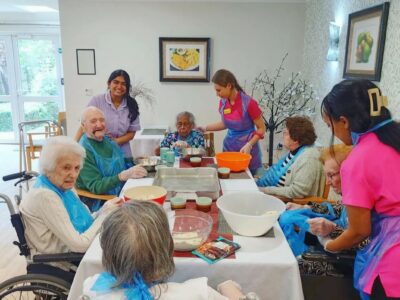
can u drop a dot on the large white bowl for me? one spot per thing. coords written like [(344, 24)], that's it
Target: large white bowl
[(250, 213)]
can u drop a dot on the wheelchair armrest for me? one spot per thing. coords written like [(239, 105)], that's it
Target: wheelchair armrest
[(68, 257), (334, 258)]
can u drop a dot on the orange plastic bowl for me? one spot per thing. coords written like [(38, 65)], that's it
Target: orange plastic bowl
[(235, 161), (153, 193)]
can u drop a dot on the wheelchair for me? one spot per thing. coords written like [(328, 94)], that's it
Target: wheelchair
[(43, 281)]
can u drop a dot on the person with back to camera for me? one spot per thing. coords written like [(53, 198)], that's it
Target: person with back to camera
[(357, 114), (241, 115), (55, 220), (104, 170), (137, 258), (297, 174), (120, 109)]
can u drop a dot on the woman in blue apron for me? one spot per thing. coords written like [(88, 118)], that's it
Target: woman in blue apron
[(241, 115), (357, 114)]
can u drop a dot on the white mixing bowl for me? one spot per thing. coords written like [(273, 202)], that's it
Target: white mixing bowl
[(250, 213)]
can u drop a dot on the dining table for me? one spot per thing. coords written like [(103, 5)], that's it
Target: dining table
[(147, 140), (264, 265)]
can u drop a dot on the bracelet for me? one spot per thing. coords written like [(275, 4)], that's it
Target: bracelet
[(261, 136)]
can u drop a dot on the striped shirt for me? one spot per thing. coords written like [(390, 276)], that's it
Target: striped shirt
[(290, 156)]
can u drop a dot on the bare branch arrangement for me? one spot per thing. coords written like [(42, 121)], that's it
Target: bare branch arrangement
[(141, 91), (279, 101)]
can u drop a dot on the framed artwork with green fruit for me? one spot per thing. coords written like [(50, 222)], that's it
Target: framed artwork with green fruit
[(365, 44)]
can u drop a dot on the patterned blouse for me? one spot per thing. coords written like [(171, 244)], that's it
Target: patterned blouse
[(195, 139)]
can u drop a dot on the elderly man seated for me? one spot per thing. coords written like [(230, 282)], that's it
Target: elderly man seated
[(185, 136), (56, 221), (104, 170), (297, 174)]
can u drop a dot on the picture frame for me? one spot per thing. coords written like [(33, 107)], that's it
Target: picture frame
[(86, 61), (365, 43), (184, 59)]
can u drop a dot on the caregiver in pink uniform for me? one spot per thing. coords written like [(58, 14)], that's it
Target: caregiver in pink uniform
[(357, 114), (241, 115)]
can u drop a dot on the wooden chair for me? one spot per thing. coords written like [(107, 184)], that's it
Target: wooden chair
[(87, 194), (322, 197), (209, 143), (37, 139)]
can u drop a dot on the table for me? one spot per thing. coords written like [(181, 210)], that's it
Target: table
[(264, 265), (146, 141)]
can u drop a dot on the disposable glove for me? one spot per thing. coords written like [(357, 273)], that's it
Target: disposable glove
[(111, 204), (181, 144), (321, 226), (133, 172), (324, 242), (246, 148), (294, 206)]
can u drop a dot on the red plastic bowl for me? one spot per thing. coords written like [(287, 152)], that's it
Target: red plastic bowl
[(235, 161), (152, 192)]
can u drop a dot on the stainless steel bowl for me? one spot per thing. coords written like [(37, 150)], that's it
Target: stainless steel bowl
[(187, 153), (149, 163)]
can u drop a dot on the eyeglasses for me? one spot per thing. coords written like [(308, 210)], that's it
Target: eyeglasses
[(179, 124), (331, 175)]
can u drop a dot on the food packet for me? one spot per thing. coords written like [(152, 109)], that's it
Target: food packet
[(216, 250)]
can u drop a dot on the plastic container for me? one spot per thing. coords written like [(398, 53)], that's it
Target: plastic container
[(195, 162), (178, 203), (224, 173), (203, 204), (235, 161), (191, 229), (250, 213), (152, 192)]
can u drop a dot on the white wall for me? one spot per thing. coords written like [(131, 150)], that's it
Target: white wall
[(324, 74), (245, 38)]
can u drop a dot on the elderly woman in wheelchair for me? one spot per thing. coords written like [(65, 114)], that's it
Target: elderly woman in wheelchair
[(56, 221)]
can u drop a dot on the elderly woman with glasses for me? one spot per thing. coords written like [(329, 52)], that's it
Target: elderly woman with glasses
[(56, 221), (137, 258), (297, 174), (185, 135)]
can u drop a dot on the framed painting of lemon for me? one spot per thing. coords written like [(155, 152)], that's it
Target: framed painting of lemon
[(184, 59), (365, 42)]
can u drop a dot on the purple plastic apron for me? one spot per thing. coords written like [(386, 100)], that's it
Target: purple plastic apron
[(240, 132), (385, 235)]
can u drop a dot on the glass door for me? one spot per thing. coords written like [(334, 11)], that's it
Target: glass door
[(34, 82), (8, 107)]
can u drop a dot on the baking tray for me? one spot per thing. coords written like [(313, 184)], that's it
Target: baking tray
[(202, 181)]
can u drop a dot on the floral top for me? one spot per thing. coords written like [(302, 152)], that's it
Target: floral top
[(195, 139)]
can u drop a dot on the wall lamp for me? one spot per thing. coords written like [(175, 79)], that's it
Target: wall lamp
[(333, 49)]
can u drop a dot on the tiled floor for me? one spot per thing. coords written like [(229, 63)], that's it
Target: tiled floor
[(11, 263)]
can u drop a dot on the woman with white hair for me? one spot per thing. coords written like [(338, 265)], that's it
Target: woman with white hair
[(185, 134), (137, 258), (56, 221)]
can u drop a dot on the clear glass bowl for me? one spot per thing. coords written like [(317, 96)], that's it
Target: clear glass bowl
[(191, 229)]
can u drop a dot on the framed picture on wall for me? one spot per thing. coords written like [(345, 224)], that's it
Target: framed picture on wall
[(184, 59), (365, 44), (85, 61)]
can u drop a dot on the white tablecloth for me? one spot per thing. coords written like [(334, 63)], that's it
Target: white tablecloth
[(263, 265), (143, 145)]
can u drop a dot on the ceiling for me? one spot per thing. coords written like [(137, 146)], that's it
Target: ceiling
[(51, 6)]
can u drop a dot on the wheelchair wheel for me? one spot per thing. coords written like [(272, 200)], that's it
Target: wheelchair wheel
[(34, 286)]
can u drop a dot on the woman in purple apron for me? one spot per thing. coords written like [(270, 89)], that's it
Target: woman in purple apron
[(241, 115), (357, 114)]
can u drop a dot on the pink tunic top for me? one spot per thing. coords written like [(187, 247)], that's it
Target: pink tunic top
[(371, 179)]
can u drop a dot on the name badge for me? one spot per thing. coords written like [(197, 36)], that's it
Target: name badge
[(227, 111)]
